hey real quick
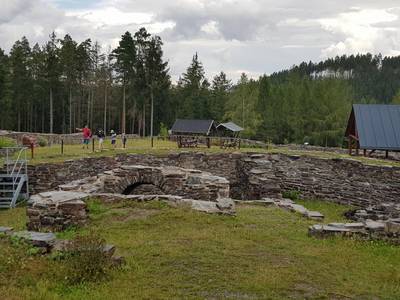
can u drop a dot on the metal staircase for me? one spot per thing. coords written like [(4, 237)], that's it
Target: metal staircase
[(14, 187)]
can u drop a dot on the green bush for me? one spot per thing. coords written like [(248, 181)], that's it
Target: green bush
[(42, 142), (292, 194), (163, 130), (86, 261), (7, 142)]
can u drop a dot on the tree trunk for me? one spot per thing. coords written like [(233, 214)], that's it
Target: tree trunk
[(151, 116), (18, 117), (123, 111), (88, 110), (105, 109), (70, 109), (134, 117), (51, 110), (91, 107), (144, 119), (42, 117)]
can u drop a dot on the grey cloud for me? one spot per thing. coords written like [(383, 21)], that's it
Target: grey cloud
[(256, 36), (11, 9)]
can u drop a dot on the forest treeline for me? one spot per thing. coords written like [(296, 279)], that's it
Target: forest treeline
[(64, 84)]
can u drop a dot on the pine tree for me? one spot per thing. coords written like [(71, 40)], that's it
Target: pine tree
[(193, 86), (125, 62), (68, 64), (52, 69), (20, 56), (221, 87), (5, 92)]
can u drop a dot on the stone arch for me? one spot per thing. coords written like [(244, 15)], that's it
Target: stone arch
[(193, 184), (129, 182), (143, 188)]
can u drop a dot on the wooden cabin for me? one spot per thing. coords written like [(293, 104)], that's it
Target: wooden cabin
[(189, 133), (373, 127)]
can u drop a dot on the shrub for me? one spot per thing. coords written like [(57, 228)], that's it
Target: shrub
[(7, 142), (163, 130), (293, 195), (42, 142), (85, 260)]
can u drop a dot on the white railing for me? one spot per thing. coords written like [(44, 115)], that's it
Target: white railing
[(18, 163), (17, 169)]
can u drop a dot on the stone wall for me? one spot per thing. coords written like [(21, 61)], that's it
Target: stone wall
[(45, 177), (251, 176), (343, 181)]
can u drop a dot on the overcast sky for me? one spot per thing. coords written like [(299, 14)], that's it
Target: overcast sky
[(252, 36)]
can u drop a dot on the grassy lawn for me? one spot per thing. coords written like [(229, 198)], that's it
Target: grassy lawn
[(137, 146), (262, 253), (142, 146)]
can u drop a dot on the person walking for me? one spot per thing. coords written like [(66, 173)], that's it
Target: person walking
[(113, 138), (100, 134), (124, 140), (86, 134)]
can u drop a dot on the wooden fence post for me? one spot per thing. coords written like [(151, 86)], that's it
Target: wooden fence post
[(32, 146)]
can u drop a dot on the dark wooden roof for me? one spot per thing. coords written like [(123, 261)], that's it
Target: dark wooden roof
[(193, 126), (377, 126)]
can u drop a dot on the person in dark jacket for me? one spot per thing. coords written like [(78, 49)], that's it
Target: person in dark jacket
[(100, 134)]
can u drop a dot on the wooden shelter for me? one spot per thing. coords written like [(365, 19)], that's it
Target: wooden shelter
[(373, 127), (229, 133), (188, 133)]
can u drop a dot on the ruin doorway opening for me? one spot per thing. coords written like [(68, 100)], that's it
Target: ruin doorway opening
[(143, 188)]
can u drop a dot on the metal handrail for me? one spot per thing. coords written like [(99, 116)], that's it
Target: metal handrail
[(16, 171), (22, 149)]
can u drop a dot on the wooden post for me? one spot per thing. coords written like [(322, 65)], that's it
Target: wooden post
[(92, 144), (124, 140), (350, 145), (387, 154), (32, 146), (62, 146), (179, 141), (365, 152)]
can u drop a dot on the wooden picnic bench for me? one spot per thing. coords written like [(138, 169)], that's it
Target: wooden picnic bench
[(230, 143), (184, 142)]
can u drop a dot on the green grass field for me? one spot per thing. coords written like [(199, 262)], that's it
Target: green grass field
[(174, 253), (138, 146), (143, 146)]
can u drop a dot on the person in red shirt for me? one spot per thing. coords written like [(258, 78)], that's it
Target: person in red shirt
[(87, 134)]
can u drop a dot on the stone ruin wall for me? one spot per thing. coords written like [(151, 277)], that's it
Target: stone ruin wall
[(251, 176)]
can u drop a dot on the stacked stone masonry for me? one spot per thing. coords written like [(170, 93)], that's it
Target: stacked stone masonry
[(251, 176), (58, 209)]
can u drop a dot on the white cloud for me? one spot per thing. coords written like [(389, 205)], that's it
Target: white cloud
[(362, 31), (256, 36), (111, 16)]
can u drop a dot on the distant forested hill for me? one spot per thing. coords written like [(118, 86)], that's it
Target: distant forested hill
[(64, 84)]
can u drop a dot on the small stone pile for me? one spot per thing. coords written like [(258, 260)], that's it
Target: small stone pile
[(381, 221), (47, 242), (369, 229), (287, 204), (383, 212), (292, 206)]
